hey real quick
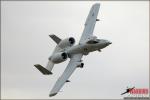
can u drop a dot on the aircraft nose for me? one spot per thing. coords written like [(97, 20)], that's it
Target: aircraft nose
[(108, 43)]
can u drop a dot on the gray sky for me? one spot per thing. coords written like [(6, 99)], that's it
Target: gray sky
[(25, 42)]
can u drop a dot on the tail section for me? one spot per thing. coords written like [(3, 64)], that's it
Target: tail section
[(47, 70), (50, 65), (55, 38)]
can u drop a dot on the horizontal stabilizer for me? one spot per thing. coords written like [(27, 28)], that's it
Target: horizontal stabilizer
[(55, 38), (43, 70)]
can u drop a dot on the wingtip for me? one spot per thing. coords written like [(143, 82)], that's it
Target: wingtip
[(53, 94)]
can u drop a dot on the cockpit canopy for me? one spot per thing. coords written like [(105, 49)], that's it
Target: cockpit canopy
[(93, 41)]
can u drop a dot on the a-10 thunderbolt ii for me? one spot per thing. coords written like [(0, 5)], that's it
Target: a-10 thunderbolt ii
[(66, 49)]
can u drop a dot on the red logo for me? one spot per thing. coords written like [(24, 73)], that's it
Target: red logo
[(139, 91), (136, 93)]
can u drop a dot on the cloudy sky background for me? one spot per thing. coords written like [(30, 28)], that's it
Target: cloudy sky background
[(25, 42)]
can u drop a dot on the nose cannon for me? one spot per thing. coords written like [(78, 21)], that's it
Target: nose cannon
[(109, 43)]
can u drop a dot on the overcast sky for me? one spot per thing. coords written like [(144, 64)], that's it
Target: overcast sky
[(25, 42)]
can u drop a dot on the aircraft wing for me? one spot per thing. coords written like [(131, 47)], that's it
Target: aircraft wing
[(74, 61), (90, 23)]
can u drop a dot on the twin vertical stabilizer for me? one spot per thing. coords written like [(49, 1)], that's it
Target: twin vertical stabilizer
[(50, 64)]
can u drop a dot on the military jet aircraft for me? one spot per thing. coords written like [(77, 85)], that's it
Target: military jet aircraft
[(66, 49)]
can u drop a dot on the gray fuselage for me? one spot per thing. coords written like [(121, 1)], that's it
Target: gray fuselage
[(87, 47)]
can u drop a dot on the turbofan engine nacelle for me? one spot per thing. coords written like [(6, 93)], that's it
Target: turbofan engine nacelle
[(67, 42), (59, 57)]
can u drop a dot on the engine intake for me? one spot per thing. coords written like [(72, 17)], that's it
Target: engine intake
[(59, 57), (67, 42), (64, 55), (71, 40)]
